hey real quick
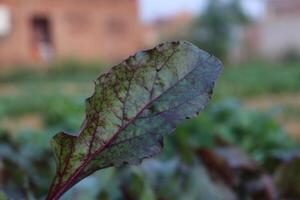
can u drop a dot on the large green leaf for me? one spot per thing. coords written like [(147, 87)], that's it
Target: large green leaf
[(134, 105)]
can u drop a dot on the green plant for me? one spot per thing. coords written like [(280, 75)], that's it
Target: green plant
[(213, 30), (171, 175), (133, 107), (249, 80), (227, 123)]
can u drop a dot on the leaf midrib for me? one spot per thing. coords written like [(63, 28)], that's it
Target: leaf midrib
[(92, 156)]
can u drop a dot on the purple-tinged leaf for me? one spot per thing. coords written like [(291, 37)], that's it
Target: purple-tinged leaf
[(133, 107)]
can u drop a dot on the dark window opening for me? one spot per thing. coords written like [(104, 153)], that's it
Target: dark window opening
[(42, 43)]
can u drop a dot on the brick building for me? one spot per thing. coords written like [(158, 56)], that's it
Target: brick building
[(34, 31)]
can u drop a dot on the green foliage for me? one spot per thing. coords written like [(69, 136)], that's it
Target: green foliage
[(226, 122), (55, 111), (133, 107), (3, 196), (213, 30), (72, 67), (259, 78), (26, 164), (59, 71), (175, 174)]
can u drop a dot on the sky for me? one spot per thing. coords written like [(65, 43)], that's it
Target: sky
[(153, 9)]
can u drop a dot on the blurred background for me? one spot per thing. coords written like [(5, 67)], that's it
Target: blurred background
[(245, 145)]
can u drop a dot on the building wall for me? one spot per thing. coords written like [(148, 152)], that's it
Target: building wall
[(279, 36), (272, 36), (93, 29), (279, 29)]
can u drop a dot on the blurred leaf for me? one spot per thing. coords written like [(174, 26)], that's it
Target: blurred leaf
[(200, 186), (226, 122), (288, 179), (24, 166), (133, 107), (138, 188), (235, 169), (226, 161), (3, 196)]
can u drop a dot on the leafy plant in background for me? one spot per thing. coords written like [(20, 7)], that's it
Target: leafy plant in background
[(25, 165), (178, 173), (133, 107), (227, 123)]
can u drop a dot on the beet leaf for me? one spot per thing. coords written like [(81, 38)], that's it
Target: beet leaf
[(133, 107)]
